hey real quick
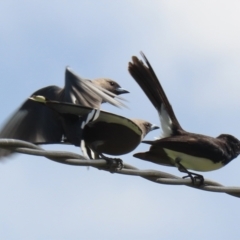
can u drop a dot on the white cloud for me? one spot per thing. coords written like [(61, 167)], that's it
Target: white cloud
[(212, 25)]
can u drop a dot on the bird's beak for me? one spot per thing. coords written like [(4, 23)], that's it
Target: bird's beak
[(154, 127), (121, 91)]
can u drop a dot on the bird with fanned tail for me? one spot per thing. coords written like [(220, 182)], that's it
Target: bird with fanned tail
[(177, 147)]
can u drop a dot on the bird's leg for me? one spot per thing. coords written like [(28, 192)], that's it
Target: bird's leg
[(194, 176), (112, 162), (198, 178)]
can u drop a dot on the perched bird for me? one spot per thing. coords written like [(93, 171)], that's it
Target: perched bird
[(177, 147), (36, 123), (108, 133)]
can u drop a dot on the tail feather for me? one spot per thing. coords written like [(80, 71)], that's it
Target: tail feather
[(148, 81)]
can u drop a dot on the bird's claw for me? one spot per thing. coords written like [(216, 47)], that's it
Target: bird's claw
[(113, 163), (197, 179)]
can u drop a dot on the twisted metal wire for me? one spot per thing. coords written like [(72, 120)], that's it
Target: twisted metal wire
[(156, 176)]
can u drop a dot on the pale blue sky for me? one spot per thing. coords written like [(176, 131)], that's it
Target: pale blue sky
[(194, 48)]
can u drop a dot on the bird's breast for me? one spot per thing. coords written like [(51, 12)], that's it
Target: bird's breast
[(192, 162)]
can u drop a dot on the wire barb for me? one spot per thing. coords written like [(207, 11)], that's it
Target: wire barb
[(156, 176)]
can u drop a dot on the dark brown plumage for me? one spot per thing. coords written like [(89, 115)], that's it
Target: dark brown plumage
[(116, 138), (36, 123), (176, 147), (108, 134)]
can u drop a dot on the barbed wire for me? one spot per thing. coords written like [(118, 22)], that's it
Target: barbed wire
[(156, 176)]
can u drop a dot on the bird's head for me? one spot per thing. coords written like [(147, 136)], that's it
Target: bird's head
[(110, 85), (232, 142), (145, 126)]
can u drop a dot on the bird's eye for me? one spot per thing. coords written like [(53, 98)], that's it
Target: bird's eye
[(112, 83), (147, 125)]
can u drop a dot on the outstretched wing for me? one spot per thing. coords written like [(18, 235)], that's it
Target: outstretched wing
[(84, 92)]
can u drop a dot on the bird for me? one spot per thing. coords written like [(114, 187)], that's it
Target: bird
[(36, 123), (108, 133), (177, 147)]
